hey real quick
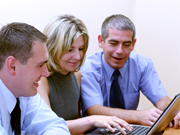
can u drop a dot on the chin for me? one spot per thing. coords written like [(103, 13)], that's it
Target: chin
[(117, 66), (34, 93), (71, 70)]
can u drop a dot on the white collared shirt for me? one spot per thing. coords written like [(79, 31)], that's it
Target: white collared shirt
[(36, 116)]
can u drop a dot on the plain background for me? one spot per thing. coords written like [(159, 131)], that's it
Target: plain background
[(157, 25)]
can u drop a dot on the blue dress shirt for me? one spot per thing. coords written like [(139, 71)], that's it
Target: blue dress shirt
[(138, 73), (36, 116)]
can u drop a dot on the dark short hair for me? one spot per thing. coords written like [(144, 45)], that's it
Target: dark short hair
[(16, 39), (119, 22)]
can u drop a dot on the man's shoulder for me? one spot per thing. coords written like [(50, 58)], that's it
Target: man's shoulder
[(96, 57), (93, 66), (27, 100), (93, 61), (138, 58)]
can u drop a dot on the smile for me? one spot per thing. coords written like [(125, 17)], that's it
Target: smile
[(35, 83), (73, 63), (117, 58)]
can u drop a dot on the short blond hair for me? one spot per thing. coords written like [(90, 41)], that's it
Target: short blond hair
[(62, 32)]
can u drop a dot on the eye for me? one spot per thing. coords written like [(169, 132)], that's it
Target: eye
[(41, 65), (127, 45), (70, 50), (113, 43), (82, 48)]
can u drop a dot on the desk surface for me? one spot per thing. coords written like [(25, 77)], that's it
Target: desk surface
[(172, 131)]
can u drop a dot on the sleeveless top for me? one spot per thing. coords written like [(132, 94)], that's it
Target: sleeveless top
[(64, 95)]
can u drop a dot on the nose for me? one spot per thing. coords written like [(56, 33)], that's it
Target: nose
[(78, 55), (119, 49), (45, 72)]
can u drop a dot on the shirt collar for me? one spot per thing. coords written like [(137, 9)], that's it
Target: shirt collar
[(109, 70), (8, 97)]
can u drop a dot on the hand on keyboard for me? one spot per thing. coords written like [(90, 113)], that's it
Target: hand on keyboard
[(110, 122)]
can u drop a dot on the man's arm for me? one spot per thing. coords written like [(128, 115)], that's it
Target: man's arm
[(2, 130), (147, 117), (40, 119), (163, 103)]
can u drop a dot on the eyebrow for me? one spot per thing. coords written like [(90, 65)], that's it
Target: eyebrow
[(128, 42), (79, 47), (112, 40), (43, 62)]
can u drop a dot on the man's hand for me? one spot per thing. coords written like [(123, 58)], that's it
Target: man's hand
[(175, 122), (148, 117)]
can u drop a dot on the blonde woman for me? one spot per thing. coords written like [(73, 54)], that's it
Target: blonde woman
[(67, 45)]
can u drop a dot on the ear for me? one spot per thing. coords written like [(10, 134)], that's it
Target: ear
[(11, 65), (134, 44), (100, 41)]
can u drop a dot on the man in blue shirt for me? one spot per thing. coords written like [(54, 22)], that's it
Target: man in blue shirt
[(23, 57), (137, 73)]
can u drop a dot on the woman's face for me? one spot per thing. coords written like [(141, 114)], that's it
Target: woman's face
[(70, 60)]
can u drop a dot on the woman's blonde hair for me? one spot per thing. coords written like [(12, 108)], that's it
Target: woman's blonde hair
[(62, 32)]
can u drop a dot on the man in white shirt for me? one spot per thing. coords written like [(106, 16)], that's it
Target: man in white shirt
[(23, 57)]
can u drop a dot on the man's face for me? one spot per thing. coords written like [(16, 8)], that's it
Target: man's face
[(117, 47), (28, 75)]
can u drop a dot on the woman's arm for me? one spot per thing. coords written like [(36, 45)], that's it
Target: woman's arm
[(81, 125), (43, 90), (78, 78)]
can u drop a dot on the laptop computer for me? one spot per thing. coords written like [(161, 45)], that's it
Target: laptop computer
[(157, 128)]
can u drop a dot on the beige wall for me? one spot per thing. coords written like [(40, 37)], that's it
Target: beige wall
[(158, 27), (157, 24)]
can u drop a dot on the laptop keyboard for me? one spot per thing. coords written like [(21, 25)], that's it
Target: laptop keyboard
[(137, 130)]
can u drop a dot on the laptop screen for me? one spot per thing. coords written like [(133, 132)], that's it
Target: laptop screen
[(167, 116)]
